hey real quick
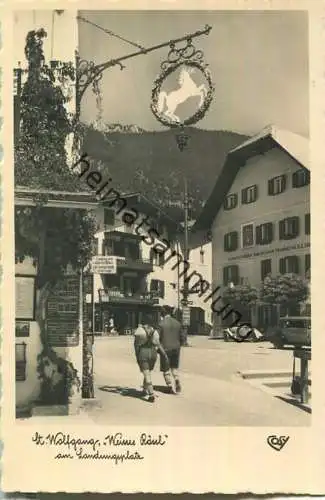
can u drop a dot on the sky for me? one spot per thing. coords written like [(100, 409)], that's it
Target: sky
[(258, 61)]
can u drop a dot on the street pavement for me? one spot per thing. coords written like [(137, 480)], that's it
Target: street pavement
[(213, 392)]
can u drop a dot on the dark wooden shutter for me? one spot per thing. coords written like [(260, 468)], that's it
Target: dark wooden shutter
[(281, 229), (225, 276), (283, 183), (294, 264), (266, 268), (243, 195), (234, 244), (282, 265), (307, 262), (225, 243), (162, 289), (270, 187), (295, 179), (258, 235), (235, 275), (269, 232), (295, 226)]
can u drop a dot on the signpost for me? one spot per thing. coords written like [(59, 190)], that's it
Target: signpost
[(186, 319), (103, 264)]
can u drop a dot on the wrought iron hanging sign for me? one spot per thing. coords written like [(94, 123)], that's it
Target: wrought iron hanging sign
[(183, 91)]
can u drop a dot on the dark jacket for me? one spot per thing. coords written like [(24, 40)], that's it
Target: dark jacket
[(170, 331)]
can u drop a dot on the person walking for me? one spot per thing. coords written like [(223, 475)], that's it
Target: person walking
[(171, 339), (146, 346)]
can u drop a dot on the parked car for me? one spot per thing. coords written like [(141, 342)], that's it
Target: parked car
[(292, 330), (237, 334)]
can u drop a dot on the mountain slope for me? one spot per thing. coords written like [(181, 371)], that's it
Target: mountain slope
[(150, 162)]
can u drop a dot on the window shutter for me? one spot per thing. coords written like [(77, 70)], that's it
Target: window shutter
[(284, 182), (225, 276), (295, 264), (282, 266), (258, 235), (295, 179), (307, 262), (281, 229), (295, 226), (270, 187), (225, 243), (243, 196), (269, 232), (234, 240), (235, 275), (162, 289)]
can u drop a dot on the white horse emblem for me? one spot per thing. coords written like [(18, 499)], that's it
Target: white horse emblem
[(168, 102)]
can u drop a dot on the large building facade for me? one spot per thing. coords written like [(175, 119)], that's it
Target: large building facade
[(130, 278), (259, 212)]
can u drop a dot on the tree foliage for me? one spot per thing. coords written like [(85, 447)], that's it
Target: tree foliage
[(246, 295), (40, 155), (54, 238), (286, 289)]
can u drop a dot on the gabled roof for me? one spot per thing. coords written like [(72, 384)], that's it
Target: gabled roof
[(294, 145)]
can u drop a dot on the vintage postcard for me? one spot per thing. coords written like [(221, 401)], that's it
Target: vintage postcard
[(162, 246)]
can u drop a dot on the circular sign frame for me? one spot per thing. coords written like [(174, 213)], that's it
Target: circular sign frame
[(200, 113)]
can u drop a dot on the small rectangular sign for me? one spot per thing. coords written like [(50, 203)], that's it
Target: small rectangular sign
[(103, 264)]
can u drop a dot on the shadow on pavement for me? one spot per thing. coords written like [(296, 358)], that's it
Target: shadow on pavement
[(161, 388), (295, 403), (123, 391)]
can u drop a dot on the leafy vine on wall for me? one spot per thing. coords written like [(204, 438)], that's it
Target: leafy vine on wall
[(54, 238)]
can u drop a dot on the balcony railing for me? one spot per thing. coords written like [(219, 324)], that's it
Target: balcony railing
[(115, 296), (134, 264)]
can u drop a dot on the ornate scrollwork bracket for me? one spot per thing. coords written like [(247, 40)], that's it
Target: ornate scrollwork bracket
[(88, 73)]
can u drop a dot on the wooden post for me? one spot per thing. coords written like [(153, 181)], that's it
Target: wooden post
[(304, 379)]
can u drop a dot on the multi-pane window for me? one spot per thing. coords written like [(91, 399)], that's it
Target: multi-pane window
[(307, 263), (231, 275), (289, 228), (264, 233), (157, 257), (277, 185), (231, 241), (300, 178), (289, 265), (109, 217), (230, 201), (247, 235), (158, 288), (266, 268), (307, 224), (249, 194)]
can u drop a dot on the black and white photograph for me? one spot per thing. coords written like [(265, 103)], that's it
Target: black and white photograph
[(162, 226)]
